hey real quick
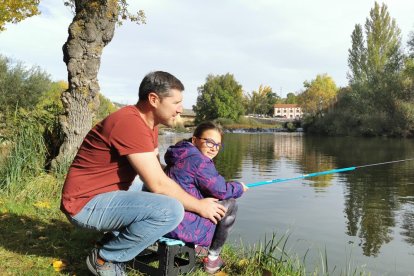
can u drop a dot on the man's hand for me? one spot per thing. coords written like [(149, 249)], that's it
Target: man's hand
[(149, 169), (211, 209)]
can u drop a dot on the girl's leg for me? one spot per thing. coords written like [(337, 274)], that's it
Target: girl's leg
[(223, 228)]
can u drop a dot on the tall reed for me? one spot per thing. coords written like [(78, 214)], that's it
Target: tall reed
[(26, 157)]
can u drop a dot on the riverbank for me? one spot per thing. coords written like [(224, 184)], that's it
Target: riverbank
[(240, 128), (37, 239)]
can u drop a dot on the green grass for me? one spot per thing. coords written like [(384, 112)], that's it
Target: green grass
[(35, 234)]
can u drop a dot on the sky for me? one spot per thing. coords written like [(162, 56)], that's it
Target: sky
[(275, 43)]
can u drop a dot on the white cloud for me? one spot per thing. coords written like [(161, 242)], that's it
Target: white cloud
[(271, 42)]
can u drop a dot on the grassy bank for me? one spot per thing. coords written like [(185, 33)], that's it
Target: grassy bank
[(36, 235), (37, 239)]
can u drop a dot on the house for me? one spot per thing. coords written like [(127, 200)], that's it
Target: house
[(289, 111), (186, 118)]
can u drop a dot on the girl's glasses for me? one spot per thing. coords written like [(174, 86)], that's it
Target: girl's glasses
[(211, 144)]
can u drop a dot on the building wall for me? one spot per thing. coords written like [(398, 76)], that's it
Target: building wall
[(290, 111)]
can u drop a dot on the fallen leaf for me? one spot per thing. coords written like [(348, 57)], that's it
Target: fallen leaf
[(220, 273), (42, 204), (58, 265)]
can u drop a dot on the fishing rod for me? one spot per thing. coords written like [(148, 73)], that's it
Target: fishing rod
[(255, 184)]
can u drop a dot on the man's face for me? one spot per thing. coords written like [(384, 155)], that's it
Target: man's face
[(168, 108)]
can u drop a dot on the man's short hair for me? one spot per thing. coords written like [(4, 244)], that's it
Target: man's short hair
[(160, 83)]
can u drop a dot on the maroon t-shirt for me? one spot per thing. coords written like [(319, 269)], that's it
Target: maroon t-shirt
[(101, 165)]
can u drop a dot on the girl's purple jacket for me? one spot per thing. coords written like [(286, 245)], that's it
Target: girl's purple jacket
[(197, 175)]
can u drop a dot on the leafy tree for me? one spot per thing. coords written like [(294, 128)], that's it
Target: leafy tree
[(319, 94), (91, 30), (383, 43), (106, 107), (380, 54), (220, 97), (21, 86), (357, 60), (261, 101), (12, 11), (271, 99), (291, 98)]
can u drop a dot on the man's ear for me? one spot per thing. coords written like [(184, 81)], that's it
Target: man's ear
[(153, 98)]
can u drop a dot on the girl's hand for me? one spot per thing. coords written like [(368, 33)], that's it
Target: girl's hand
[(245, 188)]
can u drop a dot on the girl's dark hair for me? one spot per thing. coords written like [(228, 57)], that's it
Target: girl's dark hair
[(160, 83), (207, 126)]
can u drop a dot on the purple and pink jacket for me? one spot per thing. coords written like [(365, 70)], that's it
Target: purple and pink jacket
[(197, 175)]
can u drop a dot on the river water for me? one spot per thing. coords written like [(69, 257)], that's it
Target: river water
[(360, 219)]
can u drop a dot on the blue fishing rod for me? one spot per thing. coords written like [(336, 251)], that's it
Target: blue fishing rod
[(261, 183)]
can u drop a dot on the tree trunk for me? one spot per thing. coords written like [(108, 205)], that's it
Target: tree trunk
[(91, 30)]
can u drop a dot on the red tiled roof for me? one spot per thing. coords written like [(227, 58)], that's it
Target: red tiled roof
[(286, 105)]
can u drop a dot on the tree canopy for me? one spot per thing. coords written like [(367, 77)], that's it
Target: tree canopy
[(380, 97), (261, 101), (220, 97), (21, 86), (319, 94), (12, 11), (291, 98)]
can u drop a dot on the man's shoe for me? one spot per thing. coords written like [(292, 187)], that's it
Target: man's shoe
[(105, 269), (212, 267)]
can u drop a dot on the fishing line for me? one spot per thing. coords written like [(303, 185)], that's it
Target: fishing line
[(255, 184)]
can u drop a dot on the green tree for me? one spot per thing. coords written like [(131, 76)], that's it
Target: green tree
[(21, 86), (319, 94), (384, 53), (357, 59), (106, 107), (91, 30), (379, 55), (379, 99), (291, 98), (12, 11), (261, 101), (220, 97)]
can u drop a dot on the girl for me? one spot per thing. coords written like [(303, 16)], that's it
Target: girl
[(190, 164)]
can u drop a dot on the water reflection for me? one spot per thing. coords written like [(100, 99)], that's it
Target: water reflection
[(378, 202)]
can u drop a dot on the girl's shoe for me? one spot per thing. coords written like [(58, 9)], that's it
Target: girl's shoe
[(201, 251), (212, 267)]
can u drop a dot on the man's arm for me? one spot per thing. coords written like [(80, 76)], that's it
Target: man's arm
[(148, 167)]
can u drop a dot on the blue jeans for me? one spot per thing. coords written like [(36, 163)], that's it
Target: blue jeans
[(140, 218)]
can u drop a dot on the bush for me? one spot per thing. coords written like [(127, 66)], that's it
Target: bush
[(20, 86)]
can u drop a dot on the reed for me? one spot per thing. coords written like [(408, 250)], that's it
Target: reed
[(26, 157)]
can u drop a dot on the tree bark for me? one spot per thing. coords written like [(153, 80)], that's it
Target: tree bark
[(91, 30)]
